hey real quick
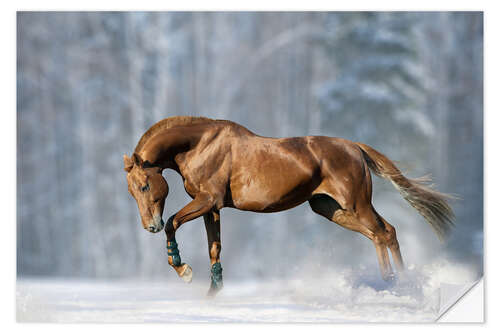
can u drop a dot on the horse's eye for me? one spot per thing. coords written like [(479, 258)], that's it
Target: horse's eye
[(145, 188)]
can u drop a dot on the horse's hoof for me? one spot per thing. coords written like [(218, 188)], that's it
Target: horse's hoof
[(390, 278), (213, 291), (187, 273)]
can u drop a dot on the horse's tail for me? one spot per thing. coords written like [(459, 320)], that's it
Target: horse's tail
[(431, 204)]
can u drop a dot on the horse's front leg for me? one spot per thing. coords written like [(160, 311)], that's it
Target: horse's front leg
[(202, 204), (212, 225)]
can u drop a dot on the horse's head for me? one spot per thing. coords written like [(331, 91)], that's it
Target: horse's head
[(149, 189)]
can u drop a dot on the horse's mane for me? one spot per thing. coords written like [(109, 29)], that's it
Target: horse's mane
[(169, 123)]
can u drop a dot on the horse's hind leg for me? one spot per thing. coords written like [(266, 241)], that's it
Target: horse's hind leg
[(212, 225), (393, 244), (363, 220)]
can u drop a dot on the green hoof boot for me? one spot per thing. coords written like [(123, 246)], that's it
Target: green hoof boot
[(216, 283), (173, 252)]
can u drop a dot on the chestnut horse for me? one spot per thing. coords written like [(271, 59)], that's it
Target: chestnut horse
[(223, 164)]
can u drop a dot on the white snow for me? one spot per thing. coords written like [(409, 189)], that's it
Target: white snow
[(346, 296)]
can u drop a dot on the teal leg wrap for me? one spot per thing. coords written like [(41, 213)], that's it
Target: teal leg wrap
[(216, 276), (173, 252)]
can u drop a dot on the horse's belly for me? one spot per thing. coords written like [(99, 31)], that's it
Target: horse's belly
[(271, 190), (267, 203)]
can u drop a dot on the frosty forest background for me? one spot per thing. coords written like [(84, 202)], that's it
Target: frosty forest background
[(90, 84)]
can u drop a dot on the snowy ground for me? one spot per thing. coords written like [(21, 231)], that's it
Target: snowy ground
[(343, 297)]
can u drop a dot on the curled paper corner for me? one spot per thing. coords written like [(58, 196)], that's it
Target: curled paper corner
[(455, 305)]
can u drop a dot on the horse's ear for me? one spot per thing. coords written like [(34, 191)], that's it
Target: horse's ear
[(137, 160), (127, 163)]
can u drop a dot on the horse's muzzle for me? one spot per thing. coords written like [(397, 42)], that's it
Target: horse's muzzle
[(156, 225)]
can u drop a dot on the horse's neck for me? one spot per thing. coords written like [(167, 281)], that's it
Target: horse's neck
[(162, 149)]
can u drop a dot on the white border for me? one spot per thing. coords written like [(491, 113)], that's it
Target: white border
[(8, 136), (260, 5)]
